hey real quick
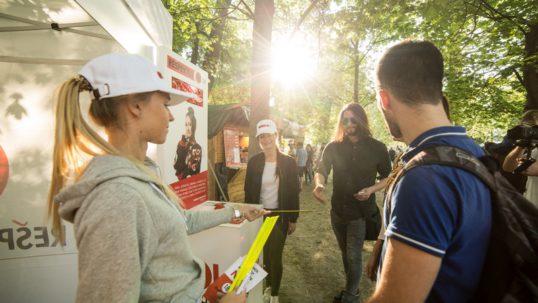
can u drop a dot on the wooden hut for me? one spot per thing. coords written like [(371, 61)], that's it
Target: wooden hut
[(228, 130)]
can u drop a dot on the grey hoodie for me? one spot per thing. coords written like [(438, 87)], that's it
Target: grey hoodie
[(132, 240)]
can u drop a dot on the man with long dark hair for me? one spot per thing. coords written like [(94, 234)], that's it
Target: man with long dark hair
[(357, 160)]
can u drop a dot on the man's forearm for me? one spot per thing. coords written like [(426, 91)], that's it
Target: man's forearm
[(379, 185), (319, 179)]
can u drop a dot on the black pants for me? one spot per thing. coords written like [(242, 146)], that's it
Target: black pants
[(272, 255), (350, 238)]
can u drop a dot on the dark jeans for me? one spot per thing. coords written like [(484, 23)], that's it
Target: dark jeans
[(350, 237), (309, 176), (272, 255)]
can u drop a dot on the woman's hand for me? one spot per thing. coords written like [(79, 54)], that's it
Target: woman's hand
[(252, 213), (291, 227), (231, 297)]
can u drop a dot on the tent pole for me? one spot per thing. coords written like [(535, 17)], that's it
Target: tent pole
[(41, 26), (66, 27), (28, 60)]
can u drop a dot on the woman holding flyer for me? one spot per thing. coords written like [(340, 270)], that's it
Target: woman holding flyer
[(131, 232), (273, 181)]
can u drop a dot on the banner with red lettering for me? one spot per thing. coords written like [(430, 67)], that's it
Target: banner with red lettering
[(183, 157)]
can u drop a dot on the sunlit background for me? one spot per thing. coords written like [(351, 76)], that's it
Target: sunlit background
[(294, 60)]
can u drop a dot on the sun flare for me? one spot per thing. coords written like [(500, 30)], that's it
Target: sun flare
[(293, 64)]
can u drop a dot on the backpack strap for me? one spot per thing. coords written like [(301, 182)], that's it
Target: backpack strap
[(445, 155), (456, 157)]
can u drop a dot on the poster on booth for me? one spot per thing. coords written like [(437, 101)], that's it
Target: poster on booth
[(231, 147), (184, 154)]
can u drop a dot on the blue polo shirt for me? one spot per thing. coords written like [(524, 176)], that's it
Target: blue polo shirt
[(446, 212)]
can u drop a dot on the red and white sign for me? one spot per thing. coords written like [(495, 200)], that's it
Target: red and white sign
[(179, 67), (192, 190), (185, 87), (183, 157)]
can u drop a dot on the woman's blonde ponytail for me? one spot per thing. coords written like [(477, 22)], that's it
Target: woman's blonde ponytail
[(74, 140)]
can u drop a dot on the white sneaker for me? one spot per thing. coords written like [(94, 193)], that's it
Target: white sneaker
[(267, 295), (274, 299)]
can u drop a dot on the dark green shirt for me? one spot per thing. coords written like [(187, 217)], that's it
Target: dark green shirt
[(356, 166)]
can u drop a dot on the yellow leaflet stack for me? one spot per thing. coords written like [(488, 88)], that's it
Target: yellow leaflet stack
[(254, 252)]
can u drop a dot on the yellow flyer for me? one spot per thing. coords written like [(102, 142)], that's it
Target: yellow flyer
[(253, 253)]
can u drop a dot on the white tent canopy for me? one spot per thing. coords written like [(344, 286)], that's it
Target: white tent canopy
[(75, 29), (42, 43)]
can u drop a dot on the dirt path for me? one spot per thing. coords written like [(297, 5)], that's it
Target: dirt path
[(313, 270)]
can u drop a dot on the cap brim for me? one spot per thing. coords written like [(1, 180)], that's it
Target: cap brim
[(177, 96), (265, 132)]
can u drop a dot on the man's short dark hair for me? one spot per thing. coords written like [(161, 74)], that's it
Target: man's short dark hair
[(412, 71)]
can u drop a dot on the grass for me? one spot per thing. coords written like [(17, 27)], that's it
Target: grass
[(313, 270)]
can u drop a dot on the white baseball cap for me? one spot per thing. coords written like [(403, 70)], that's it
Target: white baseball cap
[(117, 74), (265, 127)]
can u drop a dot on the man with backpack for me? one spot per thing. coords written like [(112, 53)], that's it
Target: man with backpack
[(438, 218)]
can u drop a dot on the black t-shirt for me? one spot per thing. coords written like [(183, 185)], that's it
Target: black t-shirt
[(356, 166)]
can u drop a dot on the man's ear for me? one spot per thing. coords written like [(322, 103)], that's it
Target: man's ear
[(384, 99)]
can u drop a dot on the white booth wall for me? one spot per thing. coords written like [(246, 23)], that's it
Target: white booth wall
[(26, 136)]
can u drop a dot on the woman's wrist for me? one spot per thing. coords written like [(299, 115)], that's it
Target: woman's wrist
[(238, 214)]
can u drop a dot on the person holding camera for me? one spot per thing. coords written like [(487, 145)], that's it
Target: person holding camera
[(517, 157)]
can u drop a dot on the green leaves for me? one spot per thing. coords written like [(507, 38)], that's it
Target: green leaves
[(483, 42)]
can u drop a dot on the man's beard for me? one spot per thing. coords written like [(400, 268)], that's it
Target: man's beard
[(394, 129), (351, 131)]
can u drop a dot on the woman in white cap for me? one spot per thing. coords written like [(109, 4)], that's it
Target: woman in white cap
[(272, 180), (131, 233)]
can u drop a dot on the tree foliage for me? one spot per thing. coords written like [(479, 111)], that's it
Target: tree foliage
[(490, 49)]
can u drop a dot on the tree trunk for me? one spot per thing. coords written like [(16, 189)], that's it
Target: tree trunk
[(212, 57), (530, 67), (260, 90), (356, 80), (356, 65), (195, 55)]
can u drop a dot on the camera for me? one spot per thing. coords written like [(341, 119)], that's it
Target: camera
[(525, 136)]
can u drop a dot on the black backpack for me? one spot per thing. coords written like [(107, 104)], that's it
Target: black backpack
[(510, 271)]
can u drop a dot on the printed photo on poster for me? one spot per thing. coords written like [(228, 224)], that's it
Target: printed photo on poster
[(188, 157)]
